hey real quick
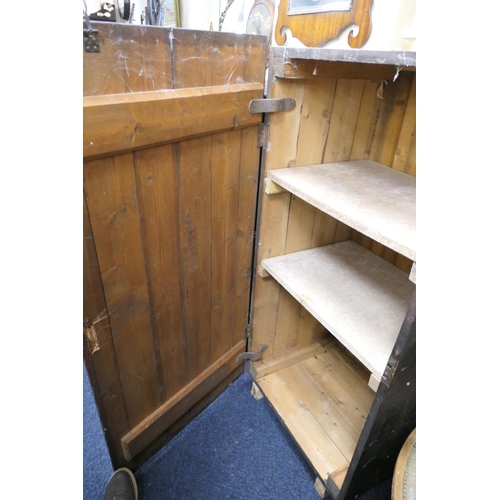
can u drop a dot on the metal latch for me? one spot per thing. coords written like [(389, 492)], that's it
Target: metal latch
[(252, 356), (271, 105)]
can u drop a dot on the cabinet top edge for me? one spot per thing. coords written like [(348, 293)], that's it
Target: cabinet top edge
[(391, 57)]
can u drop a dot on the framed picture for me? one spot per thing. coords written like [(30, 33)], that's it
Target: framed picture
[(297, 7)]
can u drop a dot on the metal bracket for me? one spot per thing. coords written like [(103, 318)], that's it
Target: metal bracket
[(252, 356), (271, 105)]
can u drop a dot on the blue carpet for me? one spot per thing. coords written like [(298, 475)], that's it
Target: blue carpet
[(236, 449)]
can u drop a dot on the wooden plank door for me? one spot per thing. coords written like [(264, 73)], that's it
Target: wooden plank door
[(170, 170)]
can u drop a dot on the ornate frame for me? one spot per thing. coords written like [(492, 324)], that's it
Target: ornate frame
[(314, 29)]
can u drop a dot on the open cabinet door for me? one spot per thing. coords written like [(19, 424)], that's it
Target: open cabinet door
[(170, 172)]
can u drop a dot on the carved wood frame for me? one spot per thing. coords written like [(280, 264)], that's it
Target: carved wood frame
[(315, 29)]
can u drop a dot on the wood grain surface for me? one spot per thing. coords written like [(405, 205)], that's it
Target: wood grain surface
[(169, 224)]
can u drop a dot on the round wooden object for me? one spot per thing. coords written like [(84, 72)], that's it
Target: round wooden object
[(404, 481)]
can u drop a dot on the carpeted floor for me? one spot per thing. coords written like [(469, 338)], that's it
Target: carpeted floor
[(236, 449)]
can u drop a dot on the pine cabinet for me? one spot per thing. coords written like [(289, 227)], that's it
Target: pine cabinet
[(212, 230)]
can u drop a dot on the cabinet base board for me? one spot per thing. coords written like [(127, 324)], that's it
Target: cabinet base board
[(323, 399)]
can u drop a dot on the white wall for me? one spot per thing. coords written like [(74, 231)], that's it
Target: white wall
[(393, 22), (198, 14)]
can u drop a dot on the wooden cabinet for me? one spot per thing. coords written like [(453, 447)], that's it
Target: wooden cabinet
[(333, 297), (210, 231)]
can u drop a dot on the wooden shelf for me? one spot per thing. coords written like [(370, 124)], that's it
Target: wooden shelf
[(400, 58), (376, 200), (359, 297), (323, 400)]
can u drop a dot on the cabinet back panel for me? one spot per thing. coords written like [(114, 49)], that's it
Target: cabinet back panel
[(334, 120)]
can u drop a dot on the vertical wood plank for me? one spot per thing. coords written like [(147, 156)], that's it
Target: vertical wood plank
[(342, 232), (315, 121), (157, 174), (323, 230), (343, 121), (225, 176), (382, 251), (366, 122), (195, 218), (247, 203), (300, 225), (403, 263), (286, 322), (361, 239), (391, 116), (110, 189), (405, 155), (100, 357)]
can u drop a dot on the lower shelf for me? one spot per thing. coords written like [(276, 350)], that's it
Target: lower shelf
[(360, 298), (323, 400)]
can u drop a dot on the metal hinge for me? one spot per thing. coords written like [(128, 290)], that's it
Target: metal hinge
[(263, 135), (390, 370), (90, 42), (271, 105), (248, 332), (252, 356)]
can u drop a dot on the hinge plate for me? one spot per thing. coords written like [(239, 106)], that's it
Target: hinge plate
[(248, 330), (90, 41), (262, 135), (271, 105), (389, 371)]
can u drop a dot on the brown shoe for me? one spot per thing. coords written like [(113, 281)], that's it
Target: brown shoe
[(121, 486)]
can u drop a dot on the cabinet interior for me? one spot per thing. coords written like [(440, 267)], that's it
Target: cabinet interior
[(336, 245)]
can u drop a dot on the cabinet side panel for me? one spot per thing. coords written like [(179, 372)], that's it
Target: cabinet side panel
[(281, 153), (392, 417)]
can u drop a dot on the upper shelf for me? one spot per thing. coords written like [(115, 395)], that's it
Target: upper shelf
[(394, 57), (378, 201)]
